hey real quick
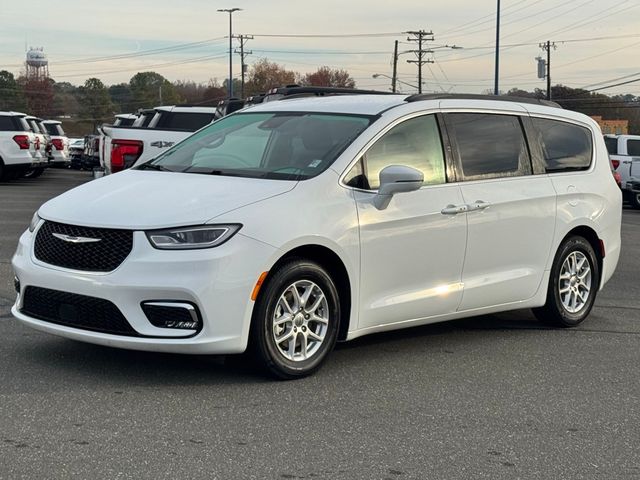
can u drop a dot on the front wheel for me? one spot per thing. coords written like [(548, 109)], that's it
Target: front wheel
[(295, 320), (573, 284)]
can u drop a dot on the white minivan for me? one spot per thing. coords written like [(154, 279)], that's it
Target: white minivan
[(291, 225)]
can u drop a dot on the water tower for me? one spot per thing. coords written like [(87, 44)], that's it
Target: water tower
[(37, 65)]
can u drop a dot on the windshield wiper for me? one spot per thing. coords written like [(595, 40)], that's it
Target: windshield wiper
[(153, 166)]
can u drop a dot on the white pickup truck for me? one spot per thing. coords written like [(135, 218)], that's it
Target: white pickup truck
[(122, 147), (624, 152)]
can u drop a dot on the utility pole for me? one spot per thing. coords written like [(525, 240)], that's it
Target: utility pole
[(394, 76), (230, 12), (547, 46), (420, 36), (243, 66), (496, 90)]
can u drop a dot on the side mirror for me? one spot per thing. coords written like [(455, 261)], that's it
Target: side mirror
[(396, 179)]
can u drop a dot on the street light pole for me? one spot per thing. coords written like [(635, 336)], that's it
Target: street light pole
[(496, 90), (230, 11)]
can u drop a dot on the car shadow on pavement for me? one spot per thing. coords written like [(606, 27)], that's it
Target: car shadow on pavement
[(513, 320), (87, 363)]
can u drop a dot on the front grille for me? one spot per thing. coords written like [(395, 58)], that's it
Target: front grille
[(73, 310), (102, 256)]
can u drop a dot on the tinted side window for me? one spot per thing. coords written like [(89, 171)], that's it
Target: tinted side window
[(185, 121), (415, 143), (54, 129), (6, 124), (489, 145), (565, 146), (126, 122), (612, 145), (633, 148)]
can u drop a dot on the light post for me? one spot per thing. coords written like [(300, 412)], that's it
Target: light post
[(496, 90), (376, 75), (230, 11)]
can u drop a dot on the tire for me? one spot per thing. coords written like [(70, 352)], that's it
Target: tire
[(571, 307), (634, 199), (34, 172), (279, 347)]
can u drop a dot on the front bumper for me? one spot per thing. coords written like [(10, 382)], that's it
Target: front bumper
[(219, 281)]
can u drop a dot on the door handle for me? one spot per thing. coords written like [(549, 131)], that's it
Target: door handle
[(454, 209), (479, 205)]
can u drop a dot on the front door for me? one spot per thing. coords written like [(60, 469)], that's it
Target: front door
[(411, 252)]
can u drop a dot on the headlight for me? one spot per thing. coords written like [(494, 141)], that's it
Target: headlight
[(34, 222), (185, 238)]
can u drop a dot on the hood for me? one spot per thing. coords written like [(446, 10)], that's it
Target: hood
[(136, 199)]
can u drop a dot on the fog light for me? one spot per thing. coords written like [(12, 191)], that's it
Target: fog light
[(174, 315), (16, 284)]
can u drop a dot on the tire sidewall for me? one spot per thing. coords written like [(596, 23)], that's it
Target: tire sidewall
[(574, 244), (267, 301)]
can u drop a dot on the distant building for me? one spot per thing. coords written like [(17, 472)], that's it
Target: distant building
[(617, 127)]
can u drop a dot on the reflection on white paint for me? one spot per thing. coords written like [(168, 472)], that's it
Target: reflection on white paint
[(437, 291)]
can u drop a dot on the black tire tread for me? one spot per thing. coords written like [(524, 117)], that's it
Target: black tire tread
[(552, 313), (257, 342)]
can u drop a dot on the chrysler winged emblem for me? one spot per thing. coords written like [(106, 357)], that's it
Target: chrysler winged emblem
[(72, 239)]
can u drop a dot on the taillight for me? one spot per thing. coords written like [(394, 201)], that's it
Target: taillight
[(618, 178), (57, 142), (22, 141), (37, 143), (615, 164), (124, 153)]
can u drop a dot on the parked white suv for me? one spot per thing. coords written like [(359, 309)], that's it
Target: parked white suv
[(294, 224), (18, 152), (60, 143)]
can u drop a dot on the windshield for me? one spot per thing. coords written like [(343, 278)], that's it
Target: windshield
[(287, 146)]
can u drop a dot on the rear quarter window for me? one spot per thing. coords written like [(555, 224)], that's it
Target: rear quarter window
[(633, 148), (184, 121), (612, 145), (565, 146)]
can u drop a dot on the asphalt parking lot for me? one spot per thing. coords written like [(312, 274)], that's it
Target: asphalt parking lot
[(497, 396)]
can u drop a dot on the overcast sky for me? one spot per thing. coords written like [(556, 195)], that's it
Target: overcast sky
[(74, 32)]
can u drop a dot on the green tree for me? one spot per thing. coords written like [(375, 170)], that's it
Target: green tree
[(96, 104), (122, 98), (150, 89), (66, 100), (11, 94)]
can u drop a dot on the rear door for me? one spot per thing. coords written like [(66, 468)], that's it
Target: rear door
[(511, 214)]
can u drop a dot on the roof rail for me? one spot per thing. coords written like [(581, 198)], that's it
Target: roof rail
[(294, 91), (473, 96)]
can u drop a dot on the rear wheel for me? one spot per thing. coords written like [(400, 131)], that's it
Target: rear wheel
[(635, 200), (573, 284), (296, 318), (34, 172)]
